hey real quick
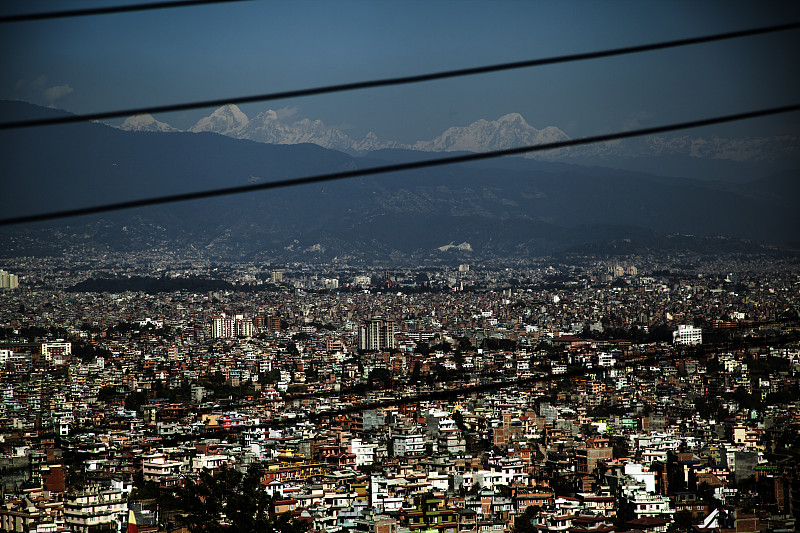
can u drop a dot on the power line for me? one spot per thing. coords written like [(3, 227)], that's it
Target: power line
[(320, 178), (402, 80), (109, 10)]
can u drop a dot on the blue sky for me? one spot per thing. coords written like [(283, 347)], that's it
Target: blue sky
[(169, 56)]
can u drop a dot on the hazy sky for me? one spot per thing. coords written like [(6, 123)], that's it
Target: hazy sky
[(168, 56)]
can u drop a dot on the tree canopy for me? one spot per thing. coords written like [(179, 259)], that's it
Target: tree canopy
[(232, 502)]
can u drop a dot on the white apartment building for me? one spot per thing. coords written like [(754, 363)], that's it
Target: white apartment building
[(8, 280), (488, 479), (642, 504), (157, 468), (210, 462), (95, 510), (605, 360), (382, 496), (364, 451), (687, 334), (511, 470), (408, 444), (224, 326)]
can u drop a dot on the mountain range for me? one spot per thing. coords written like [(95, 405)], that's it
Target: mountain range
[(682, 155), (503, 208)]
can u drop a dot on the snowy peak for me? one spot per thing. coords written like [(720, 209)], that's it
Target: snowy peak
[(267, 116), (508, 131), (227, 120), (145, 122), (513, 118), (372, 142), (268, 127)]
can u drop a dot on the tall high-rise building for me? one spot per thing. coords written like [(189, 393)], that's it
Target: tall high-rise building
[(223, 326), (377, 334), (274, 324), (8, 280), (244, 326)]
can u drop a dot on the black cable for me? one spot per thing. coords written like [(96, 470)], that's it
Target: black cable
[(28, 17), (320, 178), (398, 80)]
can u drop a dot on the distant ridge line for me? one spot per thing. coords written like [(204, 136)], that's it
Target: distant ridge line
[(465, 158)]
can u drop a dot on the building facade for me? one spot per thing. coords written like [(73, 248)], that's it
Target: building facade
[(687, 335), (377, 334)]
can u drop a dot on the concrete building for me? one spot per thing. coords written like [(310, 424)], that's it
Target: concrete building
[(687, 334), (225, 327), (55, 351), (377, 334), (409, 443), (86, 512), (595, 449), (8, 280)]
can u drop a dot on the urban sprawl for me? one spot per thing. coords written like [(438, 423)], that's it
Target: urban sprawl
[(598, 396)]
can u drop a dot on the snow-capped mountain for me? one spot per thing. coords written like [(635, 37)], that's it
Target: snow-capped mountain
[(227, 120), (267, 127), (145, 122), (508, 131), (371, 142)]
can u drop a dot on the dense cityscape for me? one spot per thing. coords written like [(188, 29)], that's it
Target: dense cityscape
[(399, 267), (169, 393)]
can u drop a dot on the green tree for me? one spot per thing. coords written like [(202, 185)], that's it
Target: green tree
[(621, 447), (143, 490), (445, 347), (415, 372), (562, 486), (458, 418), (422, 348), (380, 374), (705, 493), (523, 523), (134, 400), (231, 502), (107, 393), (464, 343), (683, 521)]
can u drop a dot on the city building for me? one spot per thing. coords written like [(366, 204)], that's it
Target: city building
[(377, 334), (686, 334), (8, 280)]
